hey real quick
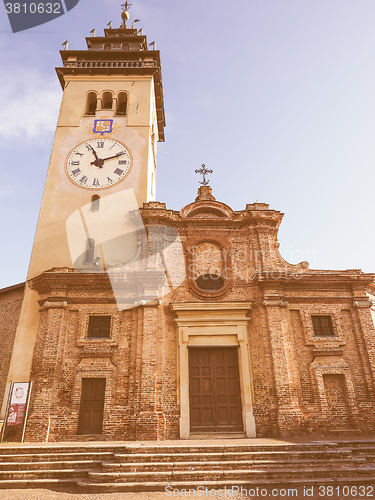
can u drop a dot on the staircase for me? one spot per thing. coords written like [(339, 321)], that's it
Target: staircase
[(42, 466), (111, 467)]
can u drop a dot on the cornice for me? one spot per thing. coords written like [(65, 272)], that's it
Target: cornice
[(311, 277), (12, 287), (211, 306), (66, 279)]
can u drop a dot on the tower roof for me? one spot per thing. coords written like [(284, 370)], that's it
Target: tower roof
[(121, 51)]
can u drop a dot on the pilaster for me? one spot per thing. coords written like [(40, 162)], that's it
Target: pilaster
[(290, 417), (150, 420), (44, 373)]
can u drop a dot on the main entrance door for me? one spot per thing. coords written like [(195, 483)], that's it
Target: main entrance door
[(215, 400)]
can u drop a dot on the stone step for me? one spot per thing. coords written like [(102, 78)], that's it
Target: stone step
[(363, 451), (207, 475), (227, 464), (50, 457), (55, 448), (114, 447), (36, 483), (53, 465), (31, 475), (228, 448), (129, 448), (252, 455), (299, 483)]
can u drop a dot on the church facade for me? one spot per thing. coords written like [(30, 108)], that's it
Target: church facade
[(144, 323)]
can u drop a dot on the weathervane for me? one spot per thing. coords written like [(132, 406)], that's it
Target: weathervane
[(126, 5), (203, 171), (125, 14)]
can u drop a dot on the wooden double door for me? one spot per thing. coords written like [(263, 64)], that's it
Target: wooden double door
[(214, 388)]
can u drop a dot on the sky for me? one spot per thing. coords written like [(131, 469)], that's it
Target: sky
[(276, 97)]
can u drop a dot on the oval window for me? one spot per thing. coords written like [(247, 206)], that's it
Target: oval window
[(210, 282)]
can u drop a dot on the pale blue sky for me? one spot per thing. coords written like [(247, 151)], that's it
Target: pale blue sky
[(278, 98)]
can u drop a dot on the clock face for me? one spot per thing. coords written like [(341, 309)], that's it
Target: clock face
[(98, 164)]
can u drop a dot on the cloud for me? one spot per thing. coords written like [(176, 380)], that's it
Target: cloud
[(30, 104)]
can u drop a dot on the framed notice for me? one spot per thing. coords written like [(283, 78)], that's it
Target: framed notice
[(17, 406)]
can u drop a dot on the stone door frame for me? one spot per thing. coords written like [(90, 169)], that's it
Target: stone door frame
[(213, 324)]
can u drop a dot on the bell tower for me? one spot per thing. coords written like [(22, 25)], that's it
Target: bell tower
[(102, 165), (111, 118)]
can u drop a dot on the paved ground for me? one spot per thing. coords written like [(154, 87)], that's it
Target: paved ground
[(39, 494)]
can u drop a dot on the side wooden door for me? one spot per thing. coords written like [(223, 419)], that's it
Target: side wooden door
[(92, 406)]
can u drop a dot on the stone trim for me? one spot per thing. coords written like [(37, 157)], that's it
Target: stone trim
[(275, 303), (55, 305), (216, 324), (365, 303)]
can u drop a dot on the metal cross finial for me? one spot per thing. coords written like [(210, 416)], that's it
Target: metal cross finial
[(126, 5), (203, 171)]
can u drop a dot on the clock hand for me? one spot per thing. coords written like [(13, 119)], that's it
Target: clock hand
[(98, 161), (115, 156)]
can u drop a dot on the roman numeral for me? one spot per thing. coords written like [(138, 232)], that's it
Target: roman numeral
[(78, 153), (88, 147), (75, 163), (110, 181), (122, 162), (76, 172), (100, 144), (118, 171), (83, 179), (95, 182)]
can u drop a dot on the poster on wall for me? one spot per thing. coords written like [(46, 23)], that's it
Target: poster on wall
[(17, 404)]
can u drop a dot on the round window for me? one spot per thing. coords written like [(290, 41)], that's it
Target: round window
[(210, 282)]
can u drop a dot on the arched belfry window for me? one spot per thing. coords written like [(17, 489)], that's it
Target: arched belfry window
[(89, 256), (95, 203), (107, 46), (107, 100), (122, 103), (125, 46), (91, 103)]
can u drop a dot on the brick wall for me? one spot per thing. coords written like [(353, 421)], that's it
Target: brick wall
[(10, 306), (295, 375)]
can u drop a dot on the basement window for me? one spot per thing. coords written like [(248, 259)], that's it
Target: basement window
[(99, 327), (322, 326)]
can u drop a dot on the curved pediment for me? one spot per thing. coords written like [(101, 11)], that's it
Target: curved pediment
[(207, 209)]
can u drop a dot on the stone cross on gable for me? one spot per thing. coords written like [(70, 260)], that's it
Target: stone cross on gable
[(203, 171)]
